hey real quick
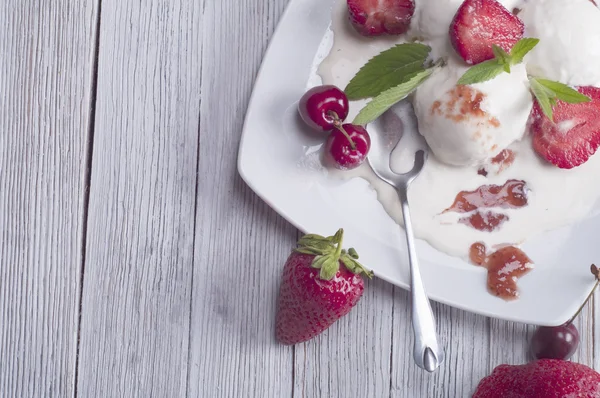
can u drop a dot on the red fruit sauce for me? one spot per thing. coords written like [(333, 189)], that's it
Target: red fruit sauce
[(485, 221), (508, 196), (498, 163), (505, 266), (504, 159), (465, 104)]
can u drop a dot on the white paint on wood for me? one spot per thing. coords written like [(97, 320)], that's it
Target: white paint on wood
[(465, 337), (354, 357), (45, 69), (138, 270), (183, 261), (241, 244)]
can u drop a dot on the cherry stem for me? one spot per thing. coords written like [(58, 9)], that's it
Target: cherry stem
[(341, 128), (596, 273), (337, 122)]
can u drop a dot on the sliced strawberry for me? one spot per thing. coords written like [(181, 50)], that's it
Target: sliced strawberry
[(378, 17), (480, 23), (574, 135)]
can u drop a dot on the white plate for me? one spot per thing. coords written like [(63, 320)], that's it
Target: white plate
[(279, 161)]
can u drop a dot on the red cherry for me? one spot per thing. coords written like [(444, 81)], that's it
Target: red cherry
[(558, 342), (323, 107), (347, 147)]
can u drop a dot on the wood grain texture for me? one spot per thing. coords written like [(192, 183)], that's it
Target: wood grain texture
[(241, 244), (465, 337), (139, 255), (354, 357), (182, 261), (45, 78)]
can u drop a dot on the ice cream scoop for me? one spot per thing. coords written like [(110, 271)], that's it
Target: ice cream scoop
[(467, 125), (569, 33)]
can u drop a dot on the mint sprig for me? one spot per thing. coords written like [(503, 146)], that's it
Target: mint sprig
[(547, 92), (388, 69), (388, 98), (521, 48), (482, 72), (501, 62)]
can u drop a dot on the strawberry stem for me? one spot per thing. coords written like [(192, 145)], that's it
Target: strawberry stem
[(340, 241), (596, 273)]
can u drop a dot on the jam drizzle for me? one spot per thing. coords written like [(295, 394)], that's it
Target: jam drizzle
[(505, 266), (508, 196), (485, 221), (498, 163)]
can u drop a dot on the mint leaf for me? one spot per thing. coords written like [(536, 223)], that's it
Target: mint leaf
[(502, 56), (521, 48), (388, 69), (501, 62), (388, 98), (563, 92), (482, 72), (543, 96), (548, 92)]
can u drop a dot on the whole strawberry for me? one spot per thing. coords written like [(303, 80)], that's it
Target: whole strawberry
[(545, 378), (321, 283)]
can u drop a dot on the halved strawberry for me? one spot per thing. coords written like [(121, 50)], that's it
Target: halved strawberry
[(378, 17), (574, 135), (480, 23)]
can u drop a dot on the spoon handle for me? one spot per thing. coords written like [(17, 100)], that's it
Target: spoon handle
[(428, 354)]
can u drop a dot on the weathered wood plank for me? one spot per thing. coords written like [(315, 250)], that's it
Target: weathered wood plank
[(138, 270), (465, 337), (46, 62), (240, 244), (510, 342), (352, 358)]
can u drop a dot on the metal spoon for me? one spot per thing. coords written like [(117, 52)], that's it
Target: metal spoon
[(385, 135)]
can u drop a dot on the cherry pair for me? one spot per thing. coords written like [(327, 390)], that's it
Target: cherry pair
[(324, 109)]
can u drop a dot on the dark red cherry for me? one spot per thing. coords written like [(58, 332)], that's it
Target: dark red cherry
[(347, 147), (558, 342), (323, 106)]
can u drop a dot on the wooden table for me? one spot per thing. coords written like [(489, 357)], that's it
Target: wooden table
[(134, 261)]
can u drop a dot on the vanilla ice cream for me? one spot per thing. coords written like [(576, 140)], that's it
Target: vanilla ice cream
[(432, 17), (569, 47), (467, 125)]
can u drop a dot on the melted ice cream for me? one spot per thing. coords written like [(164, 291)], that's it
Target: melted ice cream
[(556, 197)]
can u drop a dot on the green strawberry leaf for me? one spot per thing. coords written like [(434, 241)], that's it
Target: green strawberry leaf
[(521, 48), (388, 69), (543, 96), (318, 261), (329, 267), (354, 266), (482, 72), (388, 98), (352, 253), (305, 250), (321, 245), (564, 92), (312, 236)]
